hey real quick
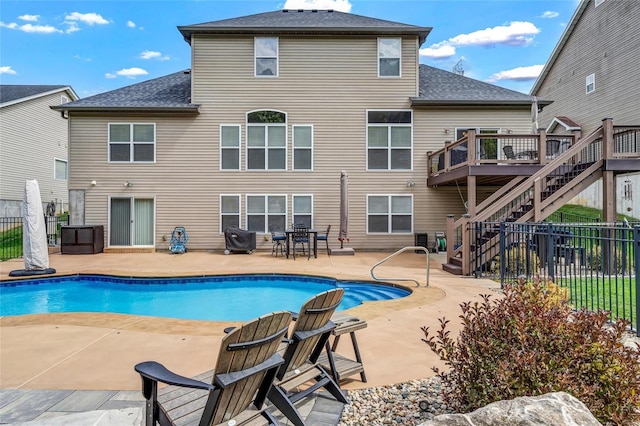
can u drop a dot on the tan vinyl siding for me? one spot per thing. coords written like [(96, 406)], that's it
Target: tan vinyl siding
[(605, 42), (31, 137), (326, 82)]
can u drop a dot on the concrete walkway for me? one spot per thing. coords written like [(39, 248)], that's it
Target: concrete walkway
[(97, 352)]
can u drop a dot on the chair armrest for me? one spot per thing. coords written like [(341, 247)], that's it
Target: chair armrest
[(157, 372)]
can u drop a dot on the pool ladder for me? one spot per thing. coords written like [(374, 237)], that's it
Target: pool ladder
[(402, 250)]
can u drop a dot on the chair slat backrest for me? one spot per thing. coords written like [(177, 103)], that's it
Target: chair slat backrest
[(300, 232), (314, 314), (243, 348)]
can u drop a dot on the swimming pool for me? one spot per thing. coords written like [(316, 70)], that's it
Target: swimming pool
[(212, 298)]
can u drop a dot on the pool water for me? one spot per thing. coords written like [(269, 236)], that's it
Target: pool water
[(213, 298)]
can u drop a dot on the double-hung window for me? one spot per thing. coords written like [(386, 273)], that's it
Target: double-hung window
[(229, 211), (230, 147), (389, 140), (266, 140), (132, 142), (389, 57), (591, 83), (266, 56), (266, 210), (303, 210), (389, 214), (302, 147), (60, 169)]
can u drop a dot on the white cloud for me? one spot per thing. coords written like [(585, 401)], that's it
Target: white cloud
[(131, 24), (550, 14), (29, 28), (517, 33), (438, 51), (72, 27), (149, 54), (30, 18), (88, 18), (109, 75), (518, 74), (131, 72), (339, 5), (7, 70)]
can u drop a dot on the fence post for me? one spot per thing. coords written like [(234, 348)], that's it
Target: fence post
[(451, 236), (550, 251), (636, 250), (503, 259)]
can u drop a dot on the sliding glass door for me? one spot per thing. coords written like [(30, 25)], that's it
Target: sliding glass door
[(131, 222)]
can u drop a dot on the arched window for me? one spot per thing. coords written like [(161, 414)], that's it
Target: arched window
[(266, 140)]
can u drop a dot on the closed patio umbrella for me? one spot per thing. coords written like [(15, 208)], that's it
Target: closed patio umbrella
[(343, 233), (534, 115)]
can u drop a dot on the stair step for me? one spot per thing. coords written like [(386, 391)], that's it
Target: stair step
[(455, 261), (452, 269)]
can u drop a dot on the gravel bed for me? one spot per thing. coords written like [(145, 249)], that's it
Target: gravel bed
[(398, 404)]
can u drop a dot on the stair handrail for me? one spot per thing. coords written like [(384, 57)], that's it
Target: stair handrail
[(529, 182), (402, 250)]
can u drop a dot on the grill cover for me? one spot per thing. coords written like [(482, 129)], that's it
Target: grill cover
[(237, 239)]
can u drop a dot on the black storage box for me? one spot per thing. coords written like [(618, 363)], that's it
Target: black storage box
[(420, 240), (239, 240), (82, 239)]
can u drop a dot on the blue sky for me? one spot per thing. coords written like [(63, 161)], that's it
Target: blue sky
[(97, 46)]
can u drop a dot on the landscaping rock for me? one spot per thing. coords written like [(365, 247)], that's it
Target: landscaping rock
[(558, 409)]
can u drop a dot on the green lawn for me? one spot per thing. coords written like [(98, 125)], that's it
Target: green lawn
[(11, 243), (576, 210), (614, 294)]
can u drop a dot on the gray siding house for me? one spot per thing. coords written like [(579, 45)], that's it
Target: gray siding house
[(257, 132), (33, 145), (593, 74)]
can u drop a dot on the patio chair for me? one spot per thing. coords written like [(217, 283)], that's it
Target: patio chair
[(278, 241), (244, 373), (508, 152), (301, 237), (308, 338), (325, 238)]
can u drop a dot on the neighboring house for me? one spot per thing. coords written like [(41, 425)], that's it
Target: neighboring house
[(258, 131), (33, 145), (593, 74)]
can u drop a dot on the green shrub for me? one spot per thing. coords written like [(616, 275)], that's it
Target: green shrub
[(594, 259), (519, 260), (530, 342)]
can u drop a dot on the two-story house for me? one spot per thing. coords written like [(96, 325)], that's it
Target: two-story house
[(593, 74), (257, 132), (33, 145)]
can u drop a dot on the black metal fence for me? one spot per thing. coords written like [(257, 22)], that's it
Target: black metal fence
[(11, 234), (598, 263)]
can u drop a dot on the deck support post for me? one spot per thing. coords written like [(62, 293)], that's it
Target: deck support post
[(450, 236), (608, 197), (466, 246), (542, 146)]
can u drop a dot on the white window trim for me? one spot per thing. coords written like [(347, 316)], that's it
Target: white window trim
[(131, 143), (266, 213), (255, 59), (64, 99), (479, 130), (239, 126), (293, 212), (590, 79), (220, 214), (390, 214), (400, 58), (266, 159), (132, 200), (55, 160), (366, 119), (293, 147)]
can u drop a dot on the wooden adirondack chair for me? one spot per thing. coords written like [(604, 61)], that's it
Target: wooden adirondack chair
[(244, 373), (311, 330)]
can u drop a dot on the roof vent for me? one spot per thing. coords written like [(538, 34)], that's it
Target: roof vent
[(314, 10), (187, 71), (330, 10), (285, 10), (300, 10)]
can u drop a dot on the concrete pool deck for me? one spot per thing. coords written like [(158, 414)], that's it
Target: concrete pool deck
[(89, 351)]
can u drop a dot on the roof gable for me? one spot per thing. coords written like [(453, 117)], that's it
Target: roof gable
[(14, 93), (305, 22)]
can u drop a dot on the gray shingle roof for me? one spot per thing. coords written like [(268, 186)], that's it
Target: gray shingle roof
[(305, 21), (12, 92), (171, 93), (439, 87)]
